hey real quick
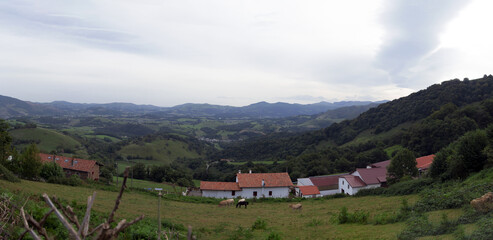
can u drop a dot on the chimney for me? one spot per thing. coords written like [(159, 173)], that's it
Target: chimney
[(239, 171), (263, 183), (72, 162), (250, 171)]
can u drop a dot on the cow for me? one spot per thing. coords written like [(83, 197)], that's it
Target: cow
[(484, 203), (242, 200), (230, 201), (223, 203), (243, 203), (296, 206)]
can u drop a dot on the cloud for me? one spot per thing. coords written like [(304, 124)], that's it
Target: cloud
[(412, 33)]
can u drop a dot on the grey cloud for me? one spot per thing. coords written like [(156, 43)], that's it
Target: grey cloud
[(29, 19), (412, 32)]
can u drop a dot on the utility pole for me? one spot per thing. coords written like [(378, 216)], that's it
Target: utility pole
[(159, 213)]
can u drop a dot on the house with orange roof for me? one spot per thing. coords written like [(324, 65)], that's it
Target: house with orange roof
[(307, 191), (85, 169), (250, 185), (374, 175)]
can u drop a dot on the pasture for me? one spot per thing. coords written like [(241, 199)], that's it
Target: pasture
[(212, 222), (163, 151), (47, 140)]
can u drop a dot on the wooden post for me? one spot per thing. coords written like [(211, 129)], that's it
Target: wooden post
[(159, 216)]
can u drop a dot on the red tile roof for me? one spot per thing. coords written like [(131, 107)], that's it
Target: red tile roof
[(425, 162), (246, 180), (326, 182), (383, 164), (219, 186), (309, 190), (354, 181), (77, 164), (372, 175)]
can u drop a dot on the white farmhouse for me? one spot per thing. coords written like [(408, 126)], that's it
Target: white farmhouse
[(250, 185), (220, 189), (373, 176)]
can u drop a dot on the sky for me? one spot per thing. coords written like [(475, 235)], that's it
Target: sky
[(231, 52)]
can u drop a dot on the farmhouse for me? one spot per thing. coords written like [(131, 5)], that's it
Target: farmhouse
[(250, 185), (374, 175), (85, 169), (327, 185)]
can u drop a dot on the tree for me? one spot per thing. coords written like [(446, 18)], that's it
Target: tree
[(51, 170), (402, 164), (30, 162), (439, 165), (5, 142)]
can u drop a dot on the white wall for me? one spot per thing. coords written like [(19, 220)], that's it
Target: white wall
[(277, 192), (344, 185), (220, 194), (329, 192)]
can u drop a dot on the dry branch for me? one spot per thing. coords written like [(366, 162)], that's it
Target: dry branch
[(62, 219), (26, 226), (87, 217), (102, 231)]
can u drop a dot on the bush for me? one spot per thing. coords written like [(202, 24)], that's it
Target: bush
[(274, 236), (51, 170), (241, 233), (416, 226), (358, 216), (7, 175), (485, 228), (259, 224)]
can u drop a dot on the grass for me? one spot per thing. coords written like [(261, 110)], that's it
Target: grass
[(314, 222), (163, 151), (48, 139), (143, 184), (255, 162)]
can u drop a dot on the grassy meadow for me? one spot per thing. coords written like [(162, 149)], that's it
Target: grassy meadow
[(212, 222), (48, 139)]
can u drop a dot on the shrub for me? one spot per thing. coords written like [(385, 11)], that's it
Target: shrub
[(358, 216), (416, 226), (7, 175), (51, 170), (485, 228), (259, 224), (274, 236), (241, 233)]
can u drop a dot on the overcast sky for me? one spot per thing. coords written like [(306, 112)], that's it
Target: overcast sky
[(236, 53)]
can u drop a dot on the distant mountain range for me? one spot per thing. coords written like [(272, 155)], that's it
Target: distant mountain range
[(12, 107)]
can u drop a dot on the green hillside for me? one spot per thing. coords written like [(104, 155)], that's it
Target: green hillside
[(47, 140), (161, 151)]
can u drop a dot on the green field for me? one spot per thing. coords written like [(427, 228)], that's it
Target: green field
[(142, 184), (255, 162), (212, 222), (48, 140), (160, 151)]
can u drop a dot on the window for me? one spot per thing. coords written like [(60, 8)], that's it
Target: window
[(233, 193), (270, 193), (66, 160), (254, 193)]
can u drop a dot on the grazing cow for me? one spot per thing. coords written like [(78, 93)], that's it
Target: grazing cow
[(223, 203), (484, 203), (230, 201), (242, 200), (296, 206), (244, 203)]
